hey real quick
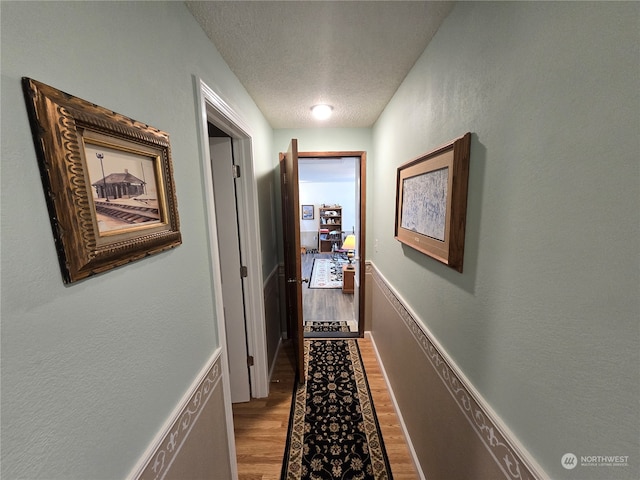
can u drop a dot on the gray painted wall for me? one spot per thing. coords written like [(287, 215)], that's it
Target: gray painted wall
[(544, 319), (91, 371)]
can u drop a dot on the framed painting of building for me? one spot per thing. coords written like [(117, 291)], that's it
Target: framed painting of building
[(431, 202), (108, 182)]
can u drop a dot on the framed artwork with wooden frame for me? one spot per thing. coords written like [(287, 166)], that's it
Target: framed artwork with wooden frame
[(307, 212), (431, 202), (108, 182)]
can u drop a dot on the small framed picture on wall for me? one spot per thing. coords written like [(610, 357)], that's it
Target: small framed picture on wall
[(307, 212)]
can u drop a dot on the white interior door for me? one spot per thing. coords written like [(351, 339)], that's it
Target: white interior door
[(230, 266)]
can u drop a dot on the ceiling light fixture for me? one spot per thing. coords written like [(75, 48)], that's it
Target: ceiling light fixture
[(321, 112)]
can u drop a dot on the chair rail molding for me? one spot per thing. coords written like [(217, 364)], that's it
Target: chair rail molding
[(508, 453)]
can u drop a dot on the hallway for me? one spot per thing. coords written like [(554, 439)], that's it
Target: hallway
[(261, 424)]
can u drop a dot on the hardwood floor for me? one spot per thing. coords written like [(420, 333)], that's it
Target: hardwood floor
[(261, 425), (402, 466), (324, 304)]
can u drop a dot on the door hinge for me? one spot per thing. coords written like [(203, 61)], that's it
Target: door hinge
[(249, 360), (243, 271), (236, 171)]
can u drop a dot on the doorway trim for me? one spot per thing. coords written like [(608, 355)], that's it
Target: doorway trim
[(362, 216), (212, 108)]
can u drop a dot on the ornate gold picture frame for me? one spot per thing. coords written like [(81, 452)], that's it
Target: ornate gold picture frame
[(108, 182), (431, 202)]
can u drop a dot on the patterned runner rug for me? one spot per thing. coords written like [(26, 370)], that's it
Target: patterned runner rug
[(326, 327), (326, 273), (333, 429)]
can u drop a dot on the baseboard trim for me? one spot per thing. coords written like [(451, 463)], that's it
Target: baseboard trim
[(508, 453), (167, 443)]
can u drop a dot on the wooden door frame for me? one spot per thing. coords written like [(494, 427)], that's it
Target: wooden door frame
[(362, 155)]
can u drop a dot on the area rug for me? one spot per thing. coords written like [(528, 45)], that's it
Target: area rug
[(326, 273), (333, 429), (326, 326)]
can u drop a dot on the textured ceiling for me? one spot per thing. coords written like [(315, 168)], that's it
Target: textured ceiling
[(291, 55)]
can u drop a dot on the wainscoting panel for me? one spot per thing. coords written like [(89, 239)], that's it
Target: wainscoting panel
[(282, 285), (196, 444), (452, 434), (368, 295), (309, 240), (272, 315)]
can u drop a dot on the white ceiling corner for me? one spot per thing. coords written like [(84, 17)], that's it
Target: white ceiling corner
[(290, 55)]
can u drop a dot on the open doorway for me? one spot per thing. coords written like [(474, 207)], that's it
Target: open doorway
[(230, 258), (217, 116), (331, 232)]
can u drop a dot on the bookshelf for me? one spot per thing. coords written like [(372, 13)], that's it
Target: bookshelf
[(330, 232)]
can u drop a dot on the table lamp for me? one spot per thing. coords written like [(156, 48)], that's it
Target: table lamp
[(349, 245)]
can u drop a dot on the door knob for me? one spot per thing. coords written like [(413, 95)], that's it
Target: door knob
[(294, 280)]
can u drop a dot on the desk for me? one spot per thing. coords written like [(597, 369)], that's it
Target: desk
[(348, 275)]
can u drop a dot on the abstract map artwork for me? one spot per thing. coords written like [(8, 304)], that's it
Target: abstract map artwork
[(424, 203)]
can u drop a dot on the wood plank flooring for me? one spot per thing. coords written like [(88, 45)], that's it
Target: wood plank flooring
[(261, 424), (322, 304)]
